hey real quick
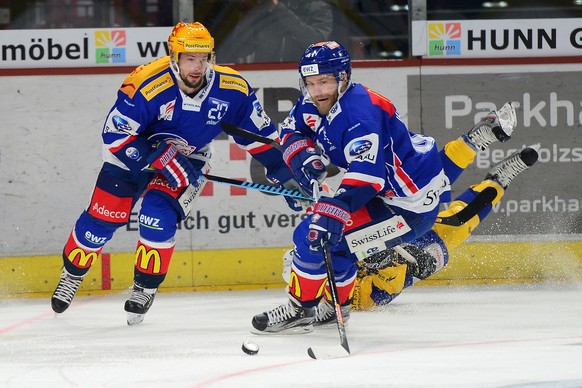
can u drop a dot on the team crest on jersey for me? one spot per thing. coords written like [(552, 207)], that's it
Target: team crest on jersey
[(180, 143), (312, 120), (167, 111)]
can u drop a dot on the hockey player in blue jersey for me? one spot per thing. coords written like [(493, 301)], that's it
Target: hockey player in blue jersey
[(393, 183), (392, 186), (157, 142)]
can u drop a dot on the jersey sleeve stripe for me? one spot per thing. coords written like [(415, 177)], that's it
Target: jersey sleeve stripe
[(119, 144), (404, 179), (256, 148), (358, 180)]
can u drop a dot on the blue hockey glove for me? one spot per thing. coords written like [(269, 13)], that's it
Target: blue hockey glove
[(174, 166), (283, 177), (329, 219), (304, 160), (296, 204)]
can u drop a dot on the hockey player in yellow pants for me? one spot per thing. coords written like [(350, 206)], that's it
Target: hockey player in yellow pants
[(383, 276)]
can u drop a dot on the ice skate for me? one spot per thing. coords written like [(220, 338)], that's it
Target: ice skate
[(325, 314), (288, 318), (506, 170), (139, 303), (65, 291), (497, 126)]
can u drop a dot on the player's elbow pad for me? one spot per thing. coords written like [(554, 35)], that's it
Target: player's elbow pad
[(134, 154)]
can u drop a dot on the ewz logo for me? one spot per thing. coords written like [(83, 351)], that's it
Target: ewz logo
[(110, 46), (444, 39)]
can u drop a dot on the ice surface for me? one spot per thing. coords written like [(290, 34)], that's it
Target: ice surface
[(486, 336)]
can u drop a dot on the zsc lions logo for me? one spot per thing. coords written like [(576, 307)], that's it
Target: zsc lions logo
[(121, 124), (132, 153), (359, 147)]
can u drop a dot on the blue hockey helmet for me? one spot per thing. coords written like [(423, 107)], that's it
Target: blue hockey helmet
[(325, 58)]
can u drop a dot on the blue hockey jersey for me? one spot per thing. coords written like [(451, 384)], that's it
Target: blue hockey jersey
[(150, 105), (364, 136)]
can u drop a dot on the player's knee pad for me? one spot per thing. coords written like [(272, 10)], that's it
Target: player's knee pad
[(306, 259), (309, 268), (85, 243), (93, 233), (152, 260), (157, 218)]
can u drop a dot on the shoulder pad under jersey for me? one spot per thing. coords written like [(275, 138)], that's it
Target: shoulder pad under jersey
[(134, 81), (231, 79)]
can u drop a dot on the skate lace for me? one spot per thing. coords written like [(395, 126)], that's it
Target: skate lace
[(140, 297), (507, 171), (282, 313), (323, 312), (483, 135), (67, 288)]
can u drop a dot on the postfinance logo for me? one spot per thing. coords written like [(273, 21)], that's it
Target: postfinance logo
[(110, 46), (444, 39)]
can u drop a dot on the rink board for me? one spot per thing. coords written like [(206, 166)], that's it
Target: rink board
[(477, 262)]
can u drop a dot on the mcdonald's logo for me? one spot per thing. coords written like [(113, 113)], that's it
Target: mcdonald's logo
[(143, 257), (81, 258), (314, 288), (294, 285)]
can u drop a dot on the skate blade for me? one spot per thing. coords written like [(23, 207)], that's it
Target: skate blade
[(507, 118), (298, 330), (134, 319)]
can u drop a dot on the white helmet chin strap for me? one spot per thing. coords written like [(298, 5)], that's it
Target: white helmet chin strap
[(174, 66)]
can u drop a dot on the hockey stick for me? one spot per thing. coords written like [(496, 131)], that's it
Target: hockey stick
[(330, 351), (478, 203), (279, 190), (233, 130)]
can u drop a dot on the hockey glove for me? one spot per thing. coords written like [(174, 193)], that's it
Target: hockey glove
[(426, 263), (296, 204), (329, 219), (174, 166), (304, 160), (283, 177)]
